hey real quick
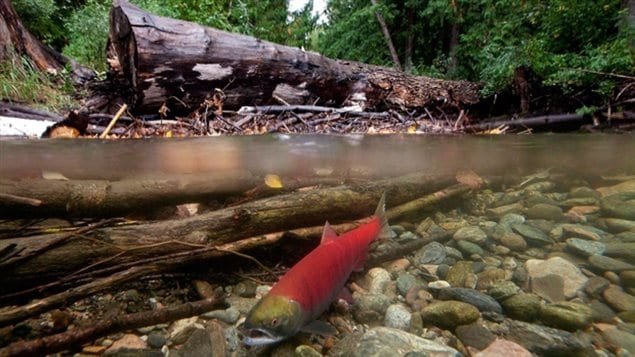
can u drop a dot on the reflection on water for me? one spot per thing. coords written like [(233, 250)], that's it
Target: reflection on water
[(289, 155)]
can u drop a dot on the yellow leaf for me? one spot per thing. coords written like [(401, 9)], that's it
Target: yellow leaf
[(273, 181), (168, 134), (412, 129)]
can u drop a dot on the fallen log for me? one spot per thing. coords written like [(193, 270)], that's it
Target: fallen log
[(108, 246), (104, 198), (178, 66)]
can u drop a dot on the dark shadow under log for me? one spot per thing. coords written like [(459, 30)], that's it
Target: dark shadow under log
[(179, 64)]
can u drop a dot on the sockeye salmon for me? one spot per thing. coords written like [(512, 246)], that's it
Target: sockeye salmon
[(308, 288)]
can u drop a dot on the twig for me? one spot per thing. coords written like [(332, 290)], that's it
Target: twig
[(120, 112), (62, 341), (262, 266), (20, 199), (55, 242), (604, 73)]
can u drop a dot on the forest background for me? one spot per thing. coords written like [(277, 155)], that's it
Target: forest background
[(583, 50)]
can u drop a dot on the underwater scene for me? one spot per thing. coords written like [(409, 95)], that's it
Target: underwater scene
[(302, 245)]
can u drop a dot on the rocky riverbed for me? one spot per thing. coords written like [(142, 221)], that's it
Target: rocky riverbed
[(543, 267)]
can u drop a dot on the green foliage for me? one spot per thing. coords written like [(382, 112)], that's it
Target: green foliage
[(87, 29), (21, 82), (40, 16), (566, 44)]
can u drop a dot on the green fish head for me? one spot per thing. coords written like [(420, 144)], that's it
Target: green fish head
[(272, 319)]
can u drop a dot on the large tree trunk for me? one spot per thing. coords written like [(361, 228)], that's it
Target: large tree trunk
[(387, 37), (15, 37), (177, 65)]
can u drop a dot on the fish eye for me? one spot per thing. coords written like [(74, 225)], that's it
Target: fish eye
[(274, 322)]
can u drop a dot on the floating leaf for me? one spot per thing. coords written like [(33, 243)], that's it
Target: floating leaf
[(273, 181), (52, 175)]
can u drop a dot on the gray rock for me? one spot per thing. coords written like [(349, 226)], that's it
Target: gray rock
[(469, 248), (306, 351), (513, 241), (625, 251), (370, 308), (601, 311), (596, 285), (501, 211), (473, 297), (491, 277), (620, 205), (397, 316), (585, 247), (453, 253), (522, 306), (472, 234), (583, 231), (475, 335), (385, 341), (618, 225), (508, 220), (533, 236), (617, 337), (584, 192), (229, 315), (156, 340), (407, 235), (198, 344), (133, 352), (543, 186), (603, 263), (377, 280), (431, 253), (545, 211), (449, 314), (628, 278), (503, 290), (618, 299), (459, 273), (566, 315), (550, 287), (405, 281), (573, 278), (547, 341)]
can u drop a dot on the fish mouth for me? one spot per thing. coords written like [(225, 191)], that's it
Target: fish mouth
[(259, 337)]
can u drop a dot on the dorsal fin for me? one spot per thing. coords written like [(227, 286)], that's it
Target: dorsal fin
[(328, 233), (380, 212)]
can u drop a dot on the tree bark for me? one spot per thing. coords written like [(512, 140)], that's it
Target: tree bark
[(110, 246), (387, 38), (15, 37), (162, 63)]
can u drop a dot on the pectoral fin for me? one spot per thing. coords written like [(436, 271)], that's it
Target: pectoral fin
[(319, 328)]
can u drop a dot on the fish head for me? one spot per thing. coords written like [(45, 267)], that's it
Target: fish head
[(272, 319)]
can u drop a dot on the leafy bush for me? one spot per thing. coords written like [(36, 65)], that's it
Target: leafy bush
[(87, 30)]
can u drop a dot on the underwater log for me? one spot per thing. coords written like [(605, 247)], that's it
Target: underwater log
[(108, 246)]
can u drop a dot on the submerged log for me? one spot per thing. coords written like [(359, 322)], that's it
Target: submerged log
[(181, 66), (108, 246)]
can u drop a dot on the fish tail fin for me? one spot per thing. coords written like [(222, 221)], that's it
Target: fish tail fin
[(385, 231)]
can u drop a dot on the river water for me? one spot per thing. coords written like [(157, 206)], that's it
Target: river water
[(540, 257)]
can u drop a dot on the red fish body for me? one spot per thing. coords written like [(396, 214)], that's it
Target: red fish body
[(309, 287)]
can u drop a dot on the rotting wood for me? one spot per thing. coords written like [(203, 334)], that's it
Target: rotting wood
[(119, 245), (65, 340), (178, 66), (104, 198)]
